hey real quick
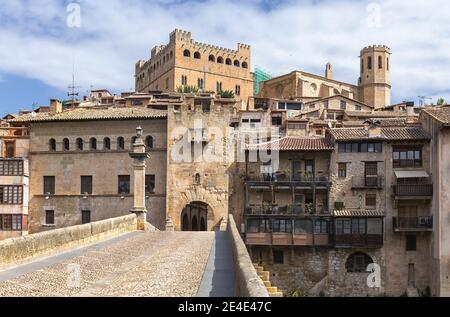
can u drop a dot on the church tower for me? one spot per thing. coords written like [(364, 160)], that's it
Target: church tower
[(375, 80)]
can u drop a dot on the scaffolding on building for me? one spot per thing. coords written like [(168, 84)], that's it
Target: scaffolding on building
[(258, 77)]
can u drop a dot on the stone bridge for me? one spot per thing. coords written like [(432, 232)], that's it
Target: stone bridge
[(114, 258)]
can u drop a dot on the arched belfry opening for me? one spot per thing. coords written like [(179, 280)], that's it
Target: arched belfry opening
[(194, 216)]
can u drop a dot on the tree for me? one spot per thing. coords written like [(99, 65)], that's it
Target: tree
[(186, 89), (226, 93), (441, 101)]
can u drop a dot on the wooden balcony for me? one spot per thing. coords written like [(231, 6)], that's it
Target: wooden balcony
[(359, 240), (291, 210), (413, 191), (412, 224), (278, 179), (288, 239), (367, 182)]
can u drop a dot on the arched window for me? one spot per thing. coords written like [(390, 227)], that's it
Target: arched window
[(149, 142), (369, 62), (236, 63), (220, 60), (187, 53), (120, 143), (211, 58), (244, 65), (106, 144), (52, 144), (197, 55), (197, 179), (66, 145), (93, 144), (228, 61), (80, 144), (380, 62), (358, 262)]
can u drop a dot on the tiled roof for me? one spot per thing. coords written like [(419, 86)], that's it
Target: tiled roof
[(376, 114), (441, 114), (384, 122), (358, 213), (399, 133), (295, 144), (87, 114)]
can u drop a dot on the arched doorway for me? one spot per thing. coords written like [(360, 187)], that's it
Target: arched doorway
[(194, 217)]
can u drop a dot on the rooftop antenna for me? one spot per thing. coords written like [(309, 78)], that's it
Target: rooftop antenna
[(72, 88), (422, 100)]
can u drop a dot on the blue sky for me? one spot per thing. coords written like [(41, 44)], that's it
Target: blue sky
[(38, 48)]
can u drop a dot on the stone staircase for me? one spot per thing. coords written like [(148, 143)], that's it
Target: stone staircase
[(265, 277), (412, 292)]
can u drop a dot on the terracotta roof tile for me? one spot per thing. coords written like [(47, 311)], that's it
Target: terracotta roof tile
[(87, 114), (376, 114), (358, 213), (391, 134), (295, 144), (441, 114)]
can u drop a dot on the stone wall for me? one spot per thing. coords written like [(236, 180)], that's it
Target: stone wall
[(18, 250), (248, 283)]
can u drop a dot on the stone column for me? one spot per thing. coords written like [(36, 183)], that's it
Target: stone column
[(139, 155)]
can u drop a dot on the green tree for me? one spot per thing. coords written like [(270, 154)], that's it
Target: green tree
[(187, 89), (441, 101), (226, 94)]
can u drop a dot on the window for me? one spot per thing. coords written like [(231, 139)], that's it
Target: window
[(411, 242), (149, 184), (371, 200), (319, 132), (197, 179), (93, 144), (278, 257), (387, 63), (49, 185), (360, 147), (106, 144), (85, 216), (200, 83), (149, 142), (49, 217), (218, 86), (342, 170), (296, 126), (237, 90), (184, 80), (358, 262), (66, 145), (362, 65), (244, 65), (343, 105), (220, 60), (236, 63), (211, 58), (16, 222), (228, 61), (124, 184), (86, 185), (52, 144), (197, 55), (325, 104), (120, 143), (407, 156), (369, 62), (10, 149), (321, 226), (167, 83), (187, 53), (80, 144), (276, 120), (11, 168), (358, 108), (282, 225), (330, 116), (11, 195), (380, 62)]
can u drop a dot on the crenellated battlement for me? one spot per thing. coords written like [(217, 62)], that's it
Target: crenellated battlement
[(372, 48)]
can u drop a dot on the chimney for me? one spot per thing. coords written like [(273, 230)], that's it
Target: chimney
[(373, 127), (55, 106), (328, 71), (411, 115)]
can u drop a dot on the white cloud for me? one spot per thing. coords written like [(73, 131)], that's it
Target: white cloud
[(36, 43)]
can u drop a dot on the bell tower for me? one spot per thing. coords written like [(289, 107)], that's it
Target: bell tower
[(375, 80)]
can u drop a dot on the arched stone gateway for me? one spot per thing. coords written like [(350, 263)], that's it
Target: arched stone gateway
[(194, 217)]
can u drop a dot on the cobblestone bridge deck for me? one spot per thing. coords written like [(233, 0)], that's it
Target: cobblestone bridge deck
[(147, 264)]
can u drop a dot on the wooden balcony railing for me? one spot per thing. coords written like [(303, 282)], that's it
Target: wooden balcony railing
[(368, 182), (284, 178), (285, 210), (413, 190), (413, 223)]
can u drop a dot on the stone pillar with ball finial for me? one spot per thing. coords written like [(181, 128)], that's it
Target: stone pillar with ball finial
[(139, 154)]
